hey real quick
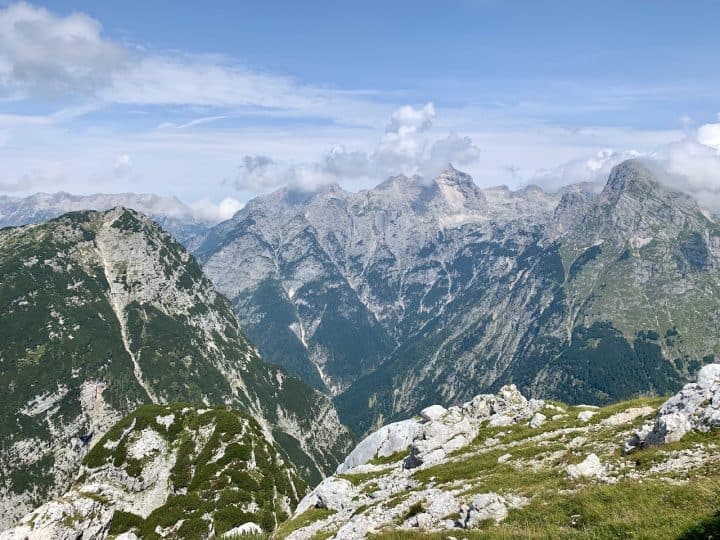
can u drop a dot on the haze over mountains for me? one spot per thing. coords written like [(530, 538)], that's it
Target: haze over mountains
[(173, 215)]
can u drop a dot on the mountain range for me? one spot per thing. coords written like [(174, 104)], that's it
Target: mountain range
[(429, 290), (418, 292)]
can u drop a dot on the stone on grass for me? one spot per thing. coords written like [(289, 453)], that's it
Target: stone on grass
[(585, 416), (590, 467), (537, 420), (485, 507)]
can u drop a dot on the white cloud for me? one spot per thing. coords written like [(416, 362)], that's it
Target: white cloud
[(404, 148), (694, 165), (690, 164), (594, 169), (123, 166), (407, 120), (44, 54), (206, 210), (709, 135), (41, 53), (452, 149)]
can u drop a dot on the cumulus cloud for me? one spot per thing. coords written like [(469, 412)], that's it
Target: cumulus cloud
[(693, 164), (43, 53), (408, 120), (258, 173), (206, 210), (405, 147), (709, 135)]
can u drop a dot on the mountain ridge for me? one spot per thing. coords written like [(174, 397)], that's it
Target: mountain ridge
[(104, 311)]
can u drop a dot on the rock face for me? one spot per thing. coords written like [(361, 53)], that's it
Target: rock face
[(424, 291), (103, 311), (183, 470), (695, 407)]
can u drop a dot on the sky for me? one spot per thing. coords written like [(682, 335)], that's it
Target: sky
[(218, 102)]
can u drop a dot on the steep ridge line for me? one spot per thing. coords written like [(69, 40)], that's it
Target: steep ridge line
[(118, 310)]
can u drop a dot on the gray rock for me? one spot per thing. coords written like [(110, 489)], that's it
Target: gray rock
[(442, 505), (384, 442), (332, 493), (488, 506), (458, 426)]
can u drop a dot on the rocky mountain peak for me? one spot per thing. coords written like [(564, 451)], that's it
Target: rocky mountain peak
[(630, 177), (452, 177)]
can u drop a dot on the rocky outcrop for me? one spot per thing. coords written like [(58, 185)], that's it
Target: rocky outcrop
[(401, 449), (383, 443), (695, 407), (449, 430)]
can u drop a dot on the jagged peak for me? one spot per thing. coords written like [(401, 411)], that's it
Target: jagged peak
[(630, 176), (451, 175)]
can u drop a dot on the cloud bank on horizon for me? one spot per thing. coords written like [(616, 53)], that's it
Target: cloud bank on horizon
[(87, 110)]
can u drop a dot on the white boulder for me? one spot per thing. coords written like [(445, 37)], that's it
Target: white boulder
[(332, 493), (590, 467), (433, 412), (537, 420), (695, 407), (384, 442)]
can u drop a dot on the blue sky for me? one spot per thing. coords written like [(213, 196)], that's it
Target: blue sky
[(232, 99)]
